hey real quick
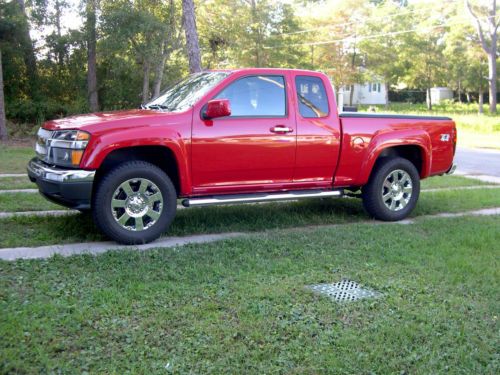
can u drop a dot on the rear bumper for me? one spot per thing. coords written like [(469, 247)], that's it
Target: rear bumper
[(452, 169), (68, 187)]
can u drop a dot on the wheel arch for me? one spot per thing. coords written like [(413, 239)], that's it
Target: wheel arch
[(161, 156), (416, 149)]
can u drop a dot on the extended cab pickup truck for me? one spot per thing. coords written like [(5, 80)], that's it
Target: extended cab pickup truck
[(235, 136)]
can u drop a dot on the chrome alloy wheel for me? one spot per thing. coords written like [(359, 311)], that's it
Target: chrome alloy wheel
[(397, 190), (137, 204)]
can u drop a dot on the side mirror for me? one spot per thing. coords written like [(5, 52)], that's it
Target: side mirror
[(217, 108)]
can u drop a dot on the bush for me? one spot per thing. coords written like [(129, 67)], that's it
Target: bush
[(28, 111)]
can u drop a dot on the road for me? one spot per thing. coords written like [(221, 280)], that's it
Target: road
[(477, 161)]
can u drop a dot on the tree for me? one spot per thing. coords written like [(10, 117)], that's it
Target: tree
[(189, 23), (91, 9), (28, 50), (151, 35), (3, 122), (169, 44), (382, 55), (465, 60), (488, 22), (422, 48)]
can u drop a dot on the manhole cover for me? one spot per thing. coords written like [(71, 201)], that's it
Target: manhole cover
[(344, 291)]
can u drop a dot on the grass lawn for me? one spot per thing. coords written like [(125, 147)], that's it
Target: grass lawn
[(35, 202), (241, 307), (18, 202), (13, 159), (437, 182), (8, 183), (32, 231)]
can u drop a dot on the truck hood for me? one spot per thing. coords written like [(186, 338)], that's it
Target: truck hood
[(105, 121)]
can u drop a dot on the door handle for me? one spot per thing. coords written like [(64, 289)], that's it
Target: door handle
[(281, 129)]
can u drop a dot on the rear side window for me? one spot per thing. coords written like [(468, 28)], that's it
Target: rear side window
[(256, 96), (311, 93)]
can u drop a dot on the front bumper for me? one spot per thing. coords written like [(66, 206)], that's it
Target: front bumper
[(68, 187)]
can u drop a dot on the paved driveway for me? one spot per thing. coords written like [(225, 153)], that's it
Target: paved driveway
[(476, 161)]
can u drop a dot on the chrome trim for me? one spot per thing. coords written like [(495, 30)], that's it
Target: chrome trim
[(45, 172), (452, 169), (251, 198)]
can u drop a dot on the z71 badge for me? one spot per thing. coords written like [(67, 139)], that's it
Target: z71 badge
[(445, 137)]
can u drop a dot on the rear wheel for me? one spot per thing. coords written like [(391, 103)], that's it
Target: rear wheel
[(393, 189), (134, 203)]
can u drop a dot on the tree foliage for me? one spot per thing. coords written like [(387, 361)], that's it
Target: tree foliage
[(141, 47)]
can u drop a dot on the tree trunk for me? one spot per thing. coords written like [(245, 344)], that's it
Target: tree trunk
[(492, 78), (91, 56), (429, 99), (467, 96), (189, 23), (459, 91), (3, 123), (481, 102), (28, 52), (145, 80), (351, 95), (60, 52), (490, 49), (386, 95), (158, 78)]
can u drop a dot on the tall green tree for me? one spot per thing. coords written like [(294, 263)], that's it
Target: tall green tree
[(382, 55), (486, 22), (91, 26), (3, 122), (28, 50), (192, 43), (151, 35)]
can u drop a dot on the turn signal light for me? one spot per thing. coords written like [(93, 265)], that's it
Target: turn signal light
[(82, 136), (76, 157)]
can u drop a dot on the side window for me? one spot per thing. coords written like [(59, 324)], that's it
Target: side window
[(311, 93), (259, 96)]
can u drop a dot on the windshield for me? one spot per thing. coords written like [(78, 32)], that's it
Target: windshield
[(187, 92)]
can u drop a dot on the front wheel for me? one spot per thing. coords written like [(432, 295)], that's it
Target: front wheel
[(134, 203), (393, 189)]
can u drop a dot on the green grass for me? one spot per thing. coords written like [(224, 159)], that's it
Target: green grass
[(450, 182), (33, 231), (18, 202), (13, 159), (9, 183), (34, 202), (241, 307)]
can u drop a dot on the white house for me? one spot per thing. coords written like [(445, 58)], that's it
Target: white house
[(365, 93), (440, 93)]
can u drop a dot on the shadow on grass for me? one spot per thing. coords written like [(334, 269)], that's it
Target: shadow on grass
[(32, 231)]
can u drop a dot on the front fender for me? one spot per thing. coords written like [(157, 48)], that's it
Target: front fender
[(383, 141), (101, 146)]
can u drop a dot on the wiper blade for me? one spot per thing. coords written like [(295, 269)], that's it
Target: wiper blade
[(155, 106)]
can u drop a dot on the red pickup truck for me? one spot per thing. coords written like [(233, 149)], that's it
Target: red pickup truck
[(235, 136)]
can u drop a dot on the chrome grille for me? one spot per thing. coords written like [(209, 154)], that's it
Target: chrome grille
[(42, 146)]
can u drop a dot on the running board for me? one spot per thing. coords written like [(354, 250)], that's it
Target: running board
[(265, 197)]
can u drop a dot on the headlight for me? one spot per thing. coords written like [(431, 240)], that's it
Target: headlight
[(74, 139), (62, 147)]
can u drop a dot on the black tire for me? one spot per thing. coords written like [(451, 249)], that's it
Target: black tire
[(377, 199), (104, 214)]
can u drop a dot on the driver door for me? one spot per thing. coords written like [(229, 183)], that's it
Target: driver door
[(254, 146)]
